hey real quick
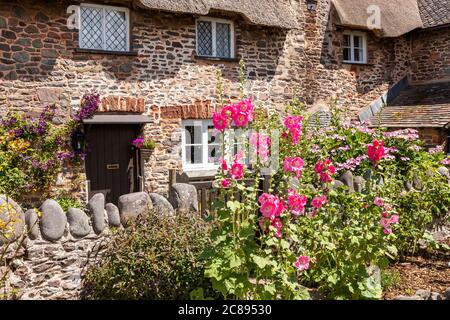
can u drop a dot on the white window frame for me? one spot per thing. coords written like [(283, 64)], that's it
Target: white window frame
[(205, 165), (352, 35), (214, 22), (103, 7)]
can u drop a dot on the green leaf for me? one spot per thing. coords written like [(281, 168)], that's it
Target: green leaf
[(271, 289), (284, 244), (261, 262), (332, 278), (235, 261)]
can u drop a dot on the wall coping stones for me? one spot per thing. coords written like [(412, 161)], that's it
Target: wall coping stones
[(53, 221), (96, 207)]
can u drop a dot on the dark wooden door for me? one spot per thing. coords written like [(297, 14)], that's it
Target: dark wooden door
[(111, 166)]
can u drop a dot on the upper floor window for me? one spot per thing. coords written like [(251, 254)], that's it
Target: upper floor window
[(104, 28), (215, 38), (355, 47)]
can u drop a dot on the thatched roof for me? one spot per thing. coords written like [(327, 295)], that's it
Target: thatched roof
[(273, 13), (397, 16), (434, 12)]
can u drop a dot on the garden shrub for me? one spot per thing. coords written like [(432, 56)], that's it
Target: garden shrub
[(33, 151), (67, 201), (309, 230), (157, 257)]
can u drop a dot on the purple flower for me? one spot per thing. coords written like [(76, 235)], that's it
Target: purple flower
[(89, 106), (138, 143)]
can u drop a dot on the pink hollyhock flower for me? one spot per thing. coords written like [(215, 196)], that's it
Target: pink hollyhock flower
[(225, 183), (246, 105), (294, 126), (387, 231), (241, 118), (325, 170), (319, 202), (220, 122), (325, 177), (294, 165), (385, 222), (269, 209), (293, 122), (385, 214), (276, 223), (228, 111), (378, 202), (237, 171), (271, 206), (296, 203), (302, 263), (223, 164), (376, 151), (394, 219)]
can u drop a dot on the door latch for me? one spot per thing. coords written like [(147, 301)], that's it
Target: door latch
[(112, 166)]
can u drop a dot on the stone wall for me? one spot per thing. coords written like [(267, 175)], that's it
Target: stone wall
[(355, 86), (53, 270), (51, 251), (431, 55), (40, 63)]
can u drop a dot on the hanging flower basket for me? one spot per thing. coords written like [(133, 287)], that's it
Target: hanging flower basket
[(145, 146), (146, 154)]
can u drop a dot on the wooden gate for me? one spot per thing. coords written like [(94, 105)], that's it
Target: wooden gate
[(206, 192)]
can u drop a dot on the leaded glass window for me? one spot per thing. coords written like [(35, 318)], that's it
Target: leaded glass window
[(104, 28), (215, 38)]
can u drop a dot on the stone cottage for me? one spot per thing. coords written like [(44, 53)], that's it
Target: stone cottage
[(155, 64)]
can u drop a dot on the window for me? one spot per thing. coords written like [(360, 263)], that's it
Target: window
[(104, 28), (202, 148), (355, 47), (215, 38)]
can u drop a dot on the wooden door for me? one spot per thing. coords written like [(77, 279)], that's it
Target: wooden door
[(111, 163)]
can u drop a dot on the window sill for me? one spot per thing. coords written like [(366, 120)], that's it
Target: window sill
[(117, 53), (201, 173), (217, 59), (358, 63)]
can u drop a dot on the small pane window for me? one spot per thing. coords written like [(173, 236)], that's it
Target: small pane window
[(215, 38), (223, 40), (204, 38), (104, 28), (354, 47)]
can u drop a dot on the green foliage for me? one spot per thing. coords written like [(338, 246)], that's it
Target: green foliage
[(157, 257), (345, 238), (390, 279), (149, 144), (33, 150), (67, 201)]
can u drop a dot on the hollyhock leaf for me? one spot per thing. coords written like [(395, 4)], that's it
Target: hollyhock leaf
[(271, 289), (392, 249), (233, 205), (261, 262), (284, 244), (235, 261)]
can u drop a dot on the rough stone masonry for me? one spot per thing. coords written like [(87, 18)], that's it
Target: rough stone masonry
[(59, 246)]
